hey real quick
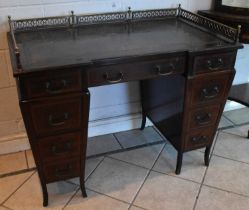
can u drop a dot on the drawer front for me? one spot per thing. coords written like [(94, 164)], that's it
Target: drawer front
[(49, 84), (199, 138), (202, 117), (54, 116), (62, 146), (209, 89), (136, 71), (68, 168), (214, 62)]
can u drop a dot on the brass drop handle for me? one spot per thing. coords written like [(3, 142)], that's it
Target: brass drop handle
[(55, 87), (63, 172), (57, 120), (110, 80), (215, 65), (160, 72), (57, 150), (203, 119), (210, 93), (197, 139)]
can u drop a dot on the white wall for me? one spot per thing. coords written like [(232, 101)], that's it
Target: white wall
[(113, 108)]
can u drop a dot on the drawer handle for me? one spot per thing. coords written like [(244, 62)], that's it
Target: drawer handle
[(210, 93), (160, 72), (197, 139), (56, 88), (119, 78), (203, 119), (215, 65), (63, 172), (57, 120), (58, 151)]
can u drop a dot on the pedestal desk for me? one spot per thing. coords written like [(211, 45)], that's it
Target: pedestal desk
[(184, 62)]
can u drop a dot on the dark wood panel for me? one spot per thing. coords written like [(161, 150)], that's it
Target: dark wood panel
[(61, 146), (61, 170), (56, 115), (204, 116), (50, 83), (199, 138), (209, 88), (137, 70), (214, 62)]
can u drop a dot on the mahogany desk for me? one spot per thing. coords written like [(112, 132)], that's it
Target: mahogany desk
[(184, 62)]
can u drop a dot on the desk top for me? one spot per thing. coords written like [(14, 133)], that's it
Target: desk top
[(91, 44)]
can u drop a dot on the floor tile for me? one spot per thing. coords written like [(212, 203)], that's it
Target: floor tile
[(29, 196), (137, 137), (91, 164), (95, 201), (102, 144), (233, 147), (228, 175), (166, 192), (117, 179), (224, 123), (144, 157), (238, 130), (30, 159), (135, 208), (238, 116), (193, 167), (3, 208), (9, 184), (213, 199), (12, 162)]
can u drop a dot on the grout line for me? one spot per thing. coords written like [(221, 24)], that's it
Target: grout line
[(217, 188), (118, 141), (203, 179), (227, 118), (94, 169), (125, 149), (146, 178), (6, 207), (18, 188), (17, 172), (71, 198), (230, 159), (107, 196)]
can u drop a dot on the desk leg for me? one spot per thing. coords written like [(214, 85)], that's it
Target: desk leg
[(85, 119), (143, 108), (206, 155), (179, 163), (45, 194)]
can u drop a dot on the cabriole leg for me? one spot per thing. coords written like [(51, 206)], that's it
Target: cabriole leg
[(206, 155), (179, 163), (45, 194)]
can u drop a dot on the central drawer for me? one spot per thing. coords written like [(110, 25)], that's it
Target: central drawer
[(112, 74)]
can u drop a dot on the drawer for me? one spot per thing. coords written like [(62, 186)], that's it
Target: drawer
[(61, 170), (50, 83), (53, 116), (199, 138), (214, 62), (205, 116), (212, 88), (136, 71), (61, 146)]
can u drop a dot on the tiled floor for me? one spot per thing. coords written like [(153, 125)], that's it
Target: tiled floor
[(141, 178)]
